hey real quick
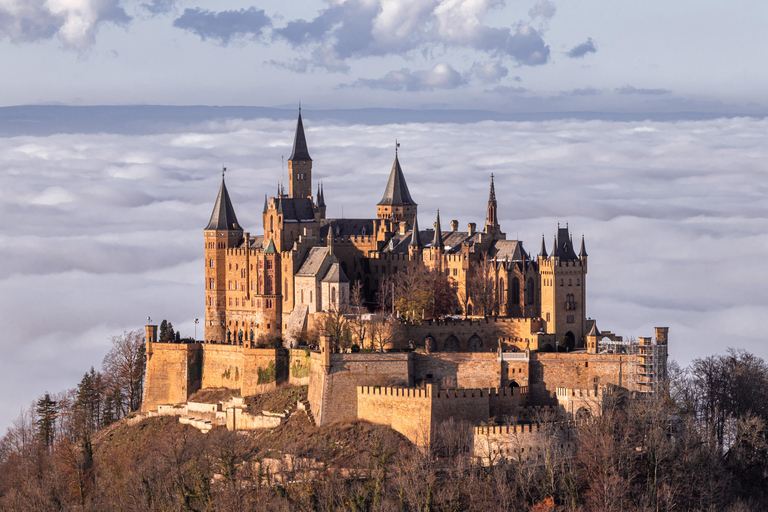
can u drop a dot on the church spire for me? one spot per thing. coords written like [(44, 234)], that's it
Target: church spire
[(491, 218), (300, 149), (396, 193), (223, 217), (543, 248), (437, 241), (583, 251)]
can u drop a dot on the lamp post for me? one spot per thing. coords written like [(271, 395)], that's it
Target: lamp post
[(196, 322)]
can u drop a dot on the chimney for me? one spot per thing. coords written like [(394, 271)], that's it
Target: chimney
[(471, 227), (454, 225)]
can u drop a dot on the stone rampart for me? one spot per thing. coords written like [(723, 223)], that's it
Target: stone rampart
[(524, 444), (580, 370), (172, 373), (458, 370), (406, 410), (477, 335), (247, 370)]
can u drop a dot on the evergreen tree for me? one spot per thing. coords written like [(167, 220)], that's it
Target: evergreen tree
[(170, 334), (178, 337), (163, 331), (46, 423)]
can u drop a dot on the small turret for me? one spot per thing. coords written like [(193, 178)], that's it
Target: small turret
[(543, 252), (437, 241), (300, 164), (223, 217), (583, 251), (396, 204)]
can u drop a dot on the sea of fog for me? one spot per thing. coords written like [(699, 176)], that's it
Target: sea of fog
[(102, 227)]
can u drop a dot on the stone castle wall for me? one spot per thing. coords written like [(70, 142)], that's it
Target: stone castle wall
[(406, 410), (514, 333), (526, 444), (549, 371), (458, 369), (172, 373)]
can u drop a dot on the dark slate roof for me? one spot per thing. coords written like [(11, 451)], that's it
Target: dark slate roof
[(223, 216), (335, 274), (594, 331), (313, 261), (396, 193), (254, 242), (511, 250), (347, 227), (300, 150), (415, 235), (564, 246), (296, 209), (583, 251), (543, 247), (437, 240)]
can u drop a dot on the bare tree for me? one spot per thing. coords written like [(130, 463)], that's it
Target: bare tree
[(124, 368), (384, 331)]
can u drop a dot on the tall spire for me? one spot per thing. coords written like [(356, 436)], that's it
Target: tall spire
[(322, 196), (300, 150), (437, 241), (396, 193), (543, 248), (266, 204), (415, 235), (491, 218), (223, 217)]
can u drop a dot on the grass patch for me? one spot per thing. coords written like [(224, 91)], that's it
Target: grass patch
[(276, 401), (213, 395)]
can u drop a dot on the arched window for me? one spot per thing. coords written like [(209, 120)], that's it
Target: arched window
[(302, 296), (333, 295), (285, 289), (529, 291), (501, 291), (271, 225), (515, 291)]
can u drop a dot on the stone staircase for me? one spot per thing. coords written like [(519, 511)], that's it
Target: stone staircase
[(303, 405)]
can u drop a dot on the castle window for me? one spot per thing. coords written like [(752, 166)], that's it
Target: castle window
[(570, 319), (237, 302), (561, 282), (333, 295), (210, 263), (230, 266), (302, 296), (253, 303), (236, 266), (230, 301), (548, 320), (577, 282), (268, 264), (211, 284), (213, 302), (455, 272), (253, 285), (242, 273), (569, 283)]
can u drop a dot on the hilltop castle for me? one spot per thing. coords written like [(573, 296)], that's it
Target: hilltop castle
[(276, 284), (530, 348)]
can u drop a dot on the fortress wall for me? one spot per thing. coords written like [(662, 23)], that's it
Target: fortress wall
[(507, 401), (338, 388), (458, 370), (522, 443), (513, 332), (167, 377), (263, 369), (222, 366), (515, 371), (299, 367), (549, 371), (471, 405), (407, 410)]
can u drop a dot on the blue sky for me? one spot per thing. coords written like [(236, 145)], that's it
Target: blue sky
[(541, 55)]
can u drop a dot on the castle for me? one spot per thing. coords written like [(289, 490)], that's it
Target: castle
[(530, 345)]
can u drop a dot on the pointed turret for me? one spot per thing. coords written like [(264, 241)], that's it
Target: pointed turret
[(321, 202), (397, 204), (300, 165), (415, 236), (437, 241), (543, 248), (300, 149), (223, 217), (266, 204), (583, 251)]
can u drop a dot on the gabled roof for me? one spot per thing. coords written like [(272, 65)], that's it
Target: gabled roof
[(300, 150), (313, 261), (270, 249), (335, 274), (223, 216), (396, 193), (511, 250)]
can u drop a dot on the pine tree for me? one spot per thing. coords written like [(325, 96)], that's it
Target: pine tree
[(46, 423), (163, 331), (170, 334)]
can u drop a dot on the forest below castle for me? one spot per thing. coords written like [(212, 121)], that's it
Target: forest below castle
[(701, 446)]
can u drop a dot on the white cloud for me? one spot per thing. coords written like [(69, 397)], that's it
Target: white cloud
[(74, 22), (440, 76), (489, 72), (670, 211)]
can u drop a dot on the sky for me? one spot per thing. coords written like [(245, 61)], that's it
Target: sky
[(640, 125), (502, 55)]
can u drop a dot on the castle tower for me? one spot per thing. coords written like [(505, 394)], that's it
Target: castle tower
[(300, 165), (223, 232), (491, 217), (397, 204), (563, 291), (320, 200)]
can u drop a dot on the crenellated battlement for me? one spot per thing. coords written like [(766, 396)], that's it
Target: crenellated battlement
[(500, 430), (579, 393), (399, 392)]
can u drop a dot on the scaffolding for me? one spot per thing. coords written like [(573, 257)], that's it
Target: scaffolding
[(647, 363)]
